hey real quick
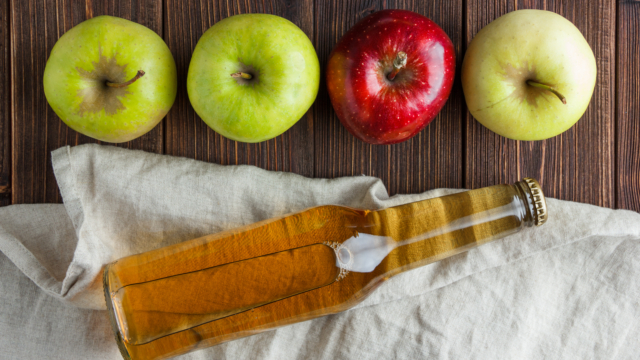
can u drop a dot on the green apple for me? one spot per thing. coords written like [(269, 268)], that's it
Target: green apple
[(253, 76), (528, 75), (110, 79)]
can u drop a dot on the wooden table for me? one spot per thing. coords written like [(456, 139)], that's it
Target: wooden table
[(597, 161)]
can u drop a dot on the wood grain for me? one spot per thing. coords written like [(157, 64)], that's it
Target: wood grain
[(35, 28), (439, 147), (186, 134), (597, 161), (490, 158), (628, 110), (577, 165), (5, 106), (433, 158)]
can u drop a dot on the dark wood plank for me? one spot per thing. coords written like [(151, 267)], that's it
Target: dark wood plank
[(628, 110), (5, 106), (577, 165), (431, 159), (36, 26), (490, 158), (337, 152), (439, 146), (186, 134)]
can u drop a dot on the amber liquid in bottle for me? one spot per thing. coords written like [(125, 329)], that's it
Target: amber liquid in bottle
[(320, 261)]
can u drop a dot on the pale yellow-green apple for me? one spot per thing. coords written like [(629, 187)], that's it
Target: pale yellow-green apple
[(528, 75), (110, 79), (253, 76)]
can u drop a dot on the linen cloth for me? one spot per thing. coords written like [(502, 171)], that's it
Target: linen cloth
[(567, 290)]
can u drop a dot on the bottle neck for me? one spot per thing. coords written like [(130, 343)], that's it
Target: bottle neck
[(415, 234)]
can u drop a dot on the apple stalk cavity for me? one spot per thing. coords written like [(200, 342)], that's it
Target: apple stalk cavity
[(398, 63), (242, 75), (549, 88), (139, 74)]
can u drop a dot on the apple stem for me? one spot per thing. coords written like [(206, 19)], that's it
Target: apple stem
[(242, 75), (133, 79), (550, 88), (398, 63)]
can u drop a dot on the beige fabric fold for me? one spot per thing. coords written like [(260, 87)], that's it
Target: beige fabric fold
[(566, 290)]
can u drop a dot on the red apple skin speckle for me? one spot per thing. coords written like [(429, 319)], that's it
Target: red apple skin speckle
[(371, 107)]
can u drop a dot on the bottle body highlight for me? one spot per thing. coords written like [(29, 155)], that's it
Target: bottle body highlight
[(317, 262)]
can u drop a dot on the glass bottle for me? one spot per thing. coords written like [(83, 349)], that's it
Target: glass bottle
[(297, 267)]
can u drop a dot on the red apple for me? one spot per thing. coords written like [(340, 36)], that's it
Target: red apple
[(390, 75)]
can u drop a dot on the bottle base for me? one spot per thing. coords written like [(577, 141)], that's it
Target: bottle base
[(112, 316)]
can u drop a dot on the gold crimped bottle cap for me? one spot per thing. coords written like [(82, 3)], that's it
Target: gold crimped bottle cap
[(539, 202)]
